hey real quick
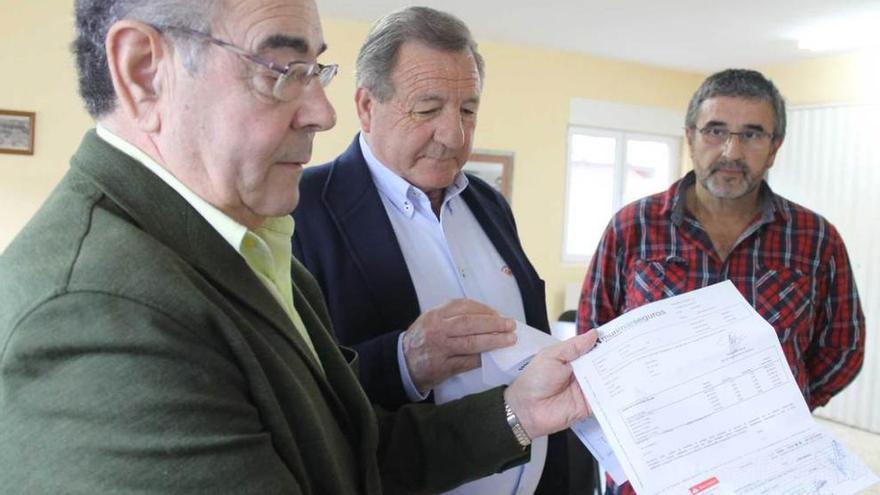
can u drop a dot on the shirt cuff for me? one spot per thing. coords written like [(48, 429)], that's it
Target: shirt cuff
[(409, 387)]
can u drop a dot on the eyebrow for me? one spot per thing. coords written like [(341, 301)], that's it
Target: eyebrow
[(284, 41), (441, 99), (431, 99), (751, 127)]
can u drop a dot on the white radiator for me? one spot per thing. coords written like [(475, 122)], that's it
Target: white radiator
[(830, 163)]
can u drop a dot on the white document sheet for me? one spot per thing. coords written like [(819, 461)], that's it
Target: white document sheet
[(589, 432), (695, 397), (501, 366)]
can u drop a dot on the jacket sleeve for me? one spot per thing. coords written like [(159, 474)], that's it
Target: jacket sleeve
[(425, 448), (429, 448)]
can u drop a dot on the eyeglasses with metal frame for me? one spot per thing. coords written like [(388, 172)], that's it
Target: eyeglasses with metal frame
[(294, 72), (752, 138)]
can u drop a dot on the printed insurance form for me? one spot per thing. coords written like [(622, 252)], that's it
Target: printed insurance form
[(694, 396)]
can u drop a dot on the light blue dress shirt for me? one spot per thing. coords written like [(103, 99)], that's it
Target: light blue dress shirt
[(450, 258)]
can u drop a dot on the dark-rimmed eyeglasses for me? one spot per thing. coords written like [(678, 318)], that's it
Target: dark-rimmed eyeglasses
[(291, 77)]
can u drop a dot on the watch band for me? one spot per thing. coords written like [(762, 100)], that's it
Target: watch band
[(516, 427)]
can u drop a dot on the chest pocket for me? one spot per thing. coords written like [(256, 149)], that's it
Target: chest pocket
[(655, 279), (782, 297)]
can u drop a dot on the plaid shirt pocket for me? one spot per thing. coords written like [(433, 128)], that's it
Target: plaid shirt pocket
[(783, 298), (655, 279)]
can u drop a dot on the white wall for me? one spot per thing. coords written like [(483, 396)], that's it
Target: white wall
[(830, 163)]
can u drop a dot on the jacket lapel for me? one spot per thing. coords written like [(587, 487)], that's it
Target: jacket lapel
[(340, 368), (354, 204), (490, 216)]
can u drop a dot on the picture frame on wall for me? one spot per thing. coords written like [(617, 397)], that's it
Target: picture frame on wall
[(17, 132), (494, 167)]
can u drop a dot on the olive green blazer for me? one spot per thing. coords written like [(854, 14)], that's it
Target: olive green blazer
[(140, 354)]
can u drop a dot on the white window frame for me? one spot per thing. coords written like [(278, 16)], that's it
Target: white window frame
[(610, 116)]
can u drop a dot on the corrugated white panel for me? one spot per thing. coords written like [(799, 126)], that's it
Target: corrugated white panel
[(830, 162)]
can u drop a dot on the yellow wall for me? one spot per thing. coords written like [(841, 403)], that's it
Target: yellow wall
[(38, 76), (524, 111)]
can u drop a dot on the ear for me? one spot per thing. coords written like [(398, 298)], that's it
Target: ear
[(689, 136), (136, 56), (775, 145), (364, 101)]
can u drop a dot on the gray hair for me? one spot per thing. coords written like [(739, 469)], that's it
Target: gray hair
[(93, 20), (434, 29), (740, 83)]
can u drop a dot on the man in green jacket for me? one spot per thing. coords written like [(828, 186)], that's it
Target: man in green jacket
[(155, 334)]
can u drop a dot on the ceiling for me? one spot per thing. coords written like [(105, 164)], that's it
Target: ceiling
[(693, 35)]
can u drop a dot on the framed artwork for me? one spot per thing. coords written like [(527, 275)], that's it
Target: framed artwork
[(17, 132), (494, 167)]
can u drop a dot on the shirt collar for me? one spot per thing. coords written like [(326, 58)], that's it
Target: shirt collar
[(674, 203), (231, 231), (398, 191)]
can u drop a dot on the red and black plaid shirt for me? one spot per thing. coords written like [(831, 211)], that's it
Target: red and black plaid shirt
[(790, 264)]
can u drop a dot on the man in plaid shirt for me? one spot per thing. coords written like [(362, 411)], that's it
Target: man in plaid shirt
[(722, 221)]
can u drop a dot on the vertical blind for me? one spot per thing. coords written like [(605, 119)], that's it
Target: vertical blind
[(830, 163)]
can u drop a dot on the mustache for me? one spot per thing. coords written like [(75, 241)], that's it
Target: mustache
[(729, 166)]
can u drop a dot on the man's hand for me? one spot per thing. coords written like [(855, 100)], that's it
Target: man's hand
[(546, 396), (448, 340)]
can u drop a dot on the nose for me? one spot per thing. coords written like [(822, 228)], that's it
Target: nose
[(733, 147), (315, 112), (451, 130)]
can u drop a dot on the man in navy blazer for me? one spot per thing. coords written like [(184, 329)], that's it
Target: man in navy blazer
[(344, 237), (395, 233)]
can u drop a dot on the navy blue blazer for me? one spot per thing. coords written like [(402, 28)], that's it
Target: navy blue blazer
[(344, 237)]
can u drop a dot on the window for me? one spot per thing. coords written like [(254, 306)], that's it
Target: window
[(606, 170)]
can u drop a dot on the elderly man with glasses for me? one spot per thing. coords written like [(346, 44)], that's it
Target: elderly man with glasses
[(723, 222), (158, 337)]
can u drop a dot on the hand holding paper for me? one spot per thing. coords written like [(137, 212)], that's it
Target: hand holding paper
[(546, 396), (501, 366), (447, 340)]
